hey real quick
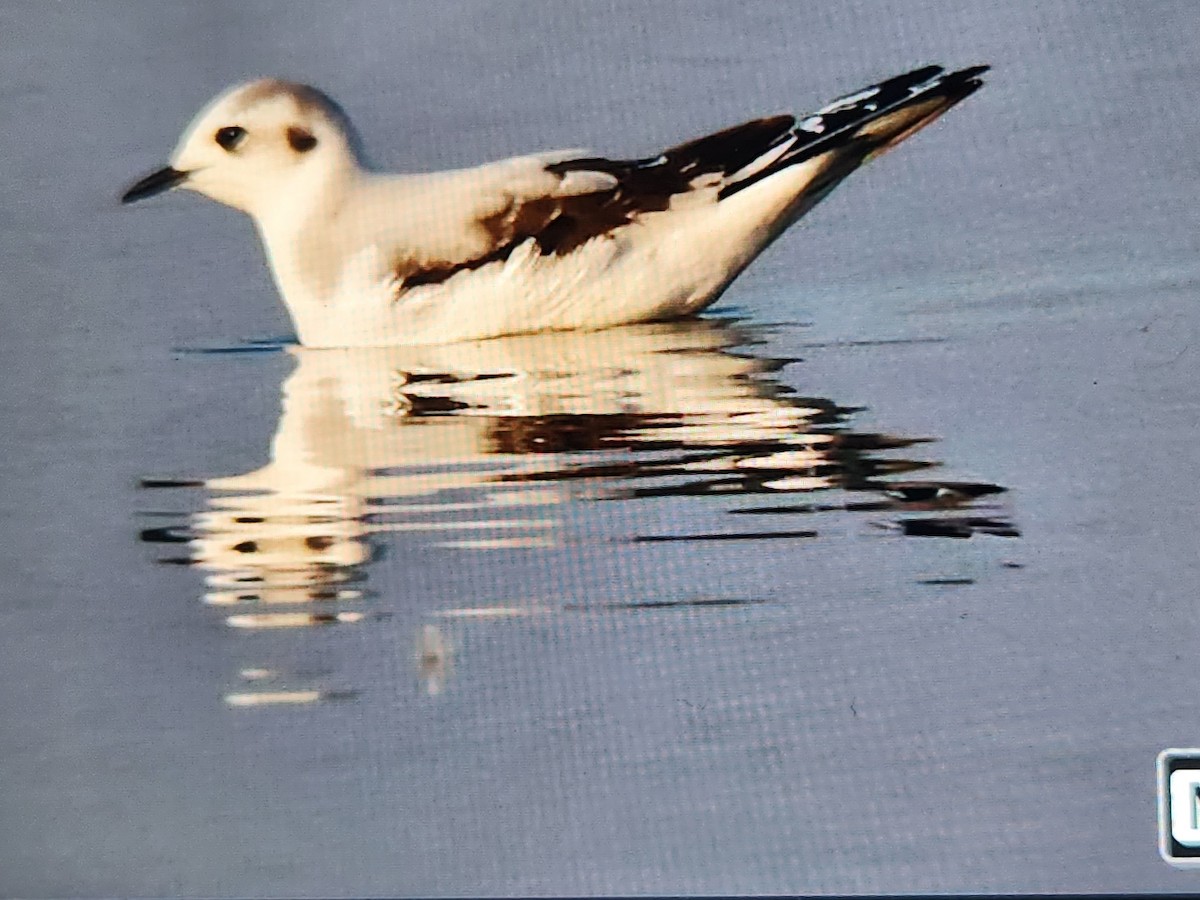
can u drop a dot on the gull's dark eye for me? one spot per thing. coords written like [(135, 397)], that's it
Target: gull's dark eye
[(300, 140), (230, 136)]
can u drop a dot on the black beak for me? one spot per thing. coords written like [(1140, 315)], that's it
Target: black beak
[(154, 183)]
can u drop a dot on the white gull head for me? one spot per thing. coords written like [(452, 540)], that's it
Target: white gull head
[(287, 155), (258, 144)]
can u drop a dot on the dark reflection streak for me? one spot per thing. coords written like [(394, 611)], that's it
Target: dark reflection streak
[(417, 405), (809, 508), (738, 536), (875, 343), (152, 482), (701, 603), (165, 535), (946, 491), (229, 351), (957, 528), (900, 496)]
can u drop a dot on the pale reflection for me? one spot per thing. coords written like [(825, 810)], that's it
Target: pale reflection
[(434, 659), (476, 448)]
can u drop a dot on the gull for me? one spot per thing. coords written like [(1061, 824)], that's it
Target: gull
[(549, 241)]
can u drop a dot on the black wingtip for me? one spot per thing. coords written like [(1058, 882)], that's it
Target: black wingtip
[(963, 83), (972, 72), (965, 78), (840, 122), (934, 76), (925, 73)]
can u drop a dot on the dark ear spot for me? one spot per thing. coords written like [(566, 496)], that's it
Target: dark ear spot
[(300, 140)]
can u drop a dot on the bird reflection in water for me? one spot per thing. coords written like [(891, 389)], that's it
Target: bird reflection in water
[(478, 446)]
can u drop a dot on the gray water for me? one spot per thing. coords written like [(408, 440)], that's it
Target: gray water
[(880, 579)]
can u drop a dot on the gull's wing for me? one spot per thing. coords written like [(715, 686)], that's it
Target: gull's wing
[(561, 201)]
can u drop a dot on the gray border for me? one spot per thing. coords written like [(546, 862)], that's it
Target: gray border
[(1164, 802)]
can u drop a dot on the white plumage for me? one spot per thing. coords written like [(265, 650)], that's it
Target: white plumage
[(542, 242)]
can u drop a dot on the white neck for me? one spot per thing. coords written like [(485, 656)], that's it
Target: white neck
[(304, 244)]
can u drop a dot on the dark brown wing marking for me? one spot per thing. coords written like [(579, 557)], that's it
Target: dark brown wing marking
[(560, 225), (647, 185), (507, 228)]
